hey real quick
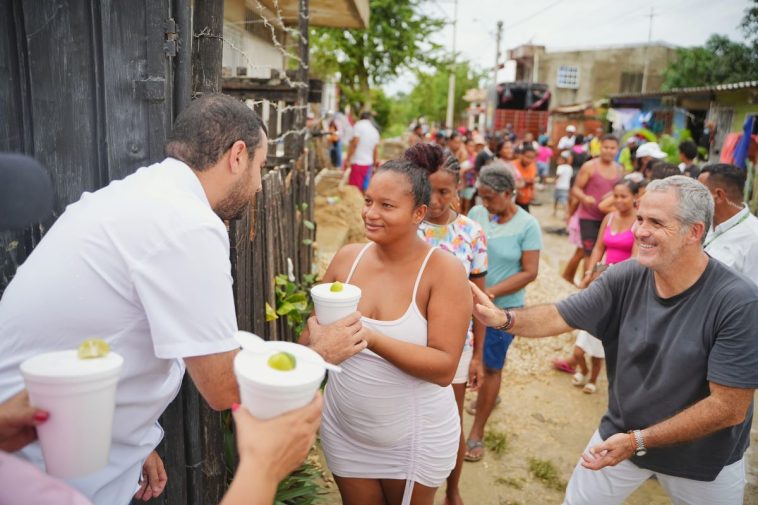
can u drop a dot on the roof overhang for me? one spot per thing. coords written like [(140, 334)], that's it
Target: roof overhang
[(324, 13)]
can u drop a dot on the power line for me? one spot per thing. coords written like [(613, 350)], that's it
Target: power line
[(534, 14)]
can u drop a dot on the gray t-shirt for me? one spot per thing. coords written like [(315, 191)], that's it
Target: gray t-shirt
[(662, 352)]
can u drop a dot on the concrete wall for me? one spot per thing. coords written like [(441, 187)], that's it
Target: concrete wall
[(242, 49), (600, 71), (740, 102)]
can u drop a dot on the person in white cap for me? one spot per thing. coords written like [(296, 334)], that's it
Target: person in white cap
[(647, 153), (568, 140)]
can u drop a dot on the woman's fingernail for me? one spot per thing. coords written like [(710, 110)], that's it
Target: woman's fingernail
[(41, 417), (235, 406)]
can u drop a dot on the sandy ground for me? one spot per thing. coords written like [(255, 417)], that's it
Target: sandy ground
[(542, 415)]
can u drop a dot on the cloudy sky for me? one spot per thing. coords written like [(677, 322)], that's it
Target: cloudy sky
[(568, 24)]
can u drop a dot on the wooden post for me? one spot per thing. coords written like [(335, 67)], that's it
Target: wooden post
[(208, 45)]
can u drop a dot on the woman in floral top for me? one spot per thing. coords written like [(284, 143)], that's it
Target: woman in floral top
[(445, 228)]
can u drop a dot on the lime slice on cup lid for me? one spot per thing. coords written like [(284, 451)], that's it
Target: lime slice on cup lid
[(282, 361), (336, 287), (93, 348)]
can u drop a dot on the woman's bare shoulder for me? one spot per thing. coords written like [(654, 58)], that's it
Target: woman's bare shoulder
[(342, 261)]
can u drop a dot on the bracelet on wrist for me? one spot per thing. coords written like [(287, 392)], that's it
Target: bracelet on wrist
[(510, 318)]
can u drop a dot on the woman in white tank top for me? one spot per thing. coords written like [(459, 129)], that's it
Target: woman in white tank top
[(390, 427)]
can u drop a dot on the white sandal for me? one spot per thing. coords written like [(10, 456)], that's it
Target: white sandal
[(589, 388), (579, 379)]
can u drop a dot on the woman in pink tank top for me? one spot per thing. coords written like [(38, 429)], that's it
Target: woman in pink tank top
[(616, 239)]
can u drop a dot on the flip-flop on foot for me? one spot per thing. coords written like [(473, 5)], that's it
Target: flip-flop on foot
[(473, 445)]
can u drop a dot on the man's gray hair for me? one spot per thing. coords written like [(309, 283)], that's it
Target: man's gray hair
[(695, 201), (497, 176)]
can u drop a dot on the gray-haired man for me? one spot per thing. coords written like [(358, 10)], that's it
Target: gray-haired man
[(679, 331)]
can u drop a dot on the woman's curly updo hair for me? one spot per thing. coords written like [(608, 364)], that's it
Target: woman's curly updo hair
[(432, 157)]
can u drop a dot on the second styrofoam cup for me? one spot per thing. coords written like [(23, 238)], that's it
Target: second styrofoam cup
[(332, 306)]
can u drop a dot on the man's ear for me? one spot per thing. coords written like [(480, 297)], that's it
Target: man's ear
[(238, 157)]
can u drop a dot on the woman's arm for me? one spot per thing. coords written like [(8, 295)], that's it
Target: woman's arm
[(607, 205), (530, 263), (448, 314), (476, 370), (597, 254)]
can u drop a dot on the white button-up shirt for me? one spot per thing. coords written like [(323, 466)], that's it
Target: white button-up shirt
[(735, 243), (143, 264)]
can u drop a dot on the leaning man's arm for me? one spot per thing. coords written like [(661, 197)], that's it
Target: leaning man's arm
[(725, 407)]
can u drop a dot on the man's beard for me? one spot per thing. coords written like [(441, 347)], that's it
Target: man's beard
[(235, 204)]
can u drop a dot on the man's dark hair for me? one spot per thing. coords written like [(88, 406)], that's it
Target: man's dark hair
[(421, 188), (209, 126), (661, 169), (366, 115), (610, 136), (689, 149), (526, 148), (729, 177)]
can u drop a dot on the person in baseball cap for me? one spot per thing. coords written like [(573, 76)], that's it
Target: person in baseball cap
[(646, 154), (26, 193)]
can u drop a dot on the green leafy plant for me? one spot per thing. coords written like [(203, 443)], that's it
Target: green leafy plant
[(546, 472), (292, 301), (301, 487), (496, 442), (514, 482)]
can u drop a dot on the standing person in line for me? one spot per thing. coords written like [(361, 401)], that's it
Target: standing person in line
[(143, 263), (416, 136), (682, 358), (363, 152), (544, 155), (615, 244), (688, 157), (627, 155), (595, 180), (596, 142), (443, 227), (568, 140), (390, 429), (526, 167), (455, 145), (488, 153), (733, 236), (514, 242), (563, 173)]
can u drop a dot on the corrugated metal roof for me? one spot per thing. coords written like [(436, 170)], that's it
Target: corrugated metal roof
[(692, 91)]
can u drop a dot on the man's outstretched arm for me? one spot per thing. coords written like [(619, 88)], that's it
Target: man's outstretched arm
[(537, 321)]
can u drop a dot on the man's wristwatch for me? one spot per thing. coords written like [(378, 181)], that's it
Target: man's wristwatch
[(509, 320), (639, 442)]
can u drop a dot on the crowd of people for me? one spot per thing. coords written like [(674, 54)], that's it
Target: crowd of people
[(669, 301)]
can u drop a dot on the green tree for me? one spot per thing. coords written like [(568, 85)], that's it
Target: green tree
[(398, 38), (428, 97), (719, 61)]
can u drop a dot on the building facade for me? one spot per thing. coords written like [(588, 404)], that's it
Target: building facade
[(587, 75)]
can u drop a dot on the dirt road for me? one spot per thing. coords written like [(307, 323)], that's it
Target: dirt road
[(543, 421)]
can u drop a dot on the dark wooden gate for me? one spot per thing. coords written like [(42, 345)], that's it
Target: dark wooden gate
[(87, 89)]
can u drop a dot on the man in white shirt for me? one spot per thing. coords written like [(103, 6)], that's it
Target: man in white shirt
[(363, 152), (144, 264), (733, 238), (568, 140), (563, 174)]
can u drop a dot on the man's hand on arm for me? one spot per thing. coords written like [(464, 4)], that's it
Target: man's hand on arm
[(213, 375), (724, 407), (537, 321), (338, 341)]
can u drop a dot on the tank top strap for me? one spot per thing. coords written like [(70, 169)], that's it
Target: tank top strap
[(356, 261), (421, 272)]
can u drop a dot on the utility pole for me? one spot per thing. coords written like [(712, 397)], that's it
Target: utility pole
[(498, 37), (647, 48), (450, 119)]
